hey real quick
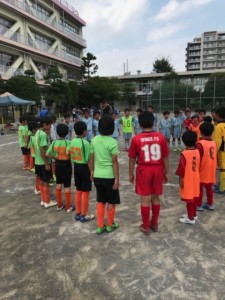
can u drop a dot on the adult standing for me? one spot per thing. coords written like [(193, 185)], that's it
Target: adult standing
[(106, 109)]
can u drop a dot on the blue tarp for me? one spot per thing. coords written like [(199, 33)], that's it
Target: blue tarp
[(8, 99)]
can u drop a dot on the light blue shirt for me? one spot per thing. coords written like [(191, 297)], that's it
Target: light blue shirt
[(88, 122), (116, 128), (95, 126), (137, 127)]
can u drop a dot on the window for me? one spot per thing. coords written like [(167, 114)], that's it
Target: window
[(70, 50), (4, 25), (42, 40), (41, 10), (7, 59), (70, 27)]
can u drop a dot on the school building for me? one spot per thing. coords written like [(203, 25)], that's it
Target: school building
[(37, 33)]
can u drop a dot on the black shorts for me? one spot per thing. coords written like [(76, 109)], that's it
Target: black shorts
[(63, 172), (82, 177), (105, 193), (25, 151), (44, 175)]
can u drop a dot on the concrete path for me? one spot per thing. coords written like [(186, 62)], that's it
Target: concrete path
[(46, 255)]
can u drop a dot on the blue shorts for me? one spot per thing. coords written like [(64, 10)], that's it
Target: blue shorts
[(127, 136), (176, 133), (89, 136), (166, 132)]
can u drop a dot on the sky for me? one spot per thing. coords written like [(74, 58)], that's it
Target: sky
[(134, 33)]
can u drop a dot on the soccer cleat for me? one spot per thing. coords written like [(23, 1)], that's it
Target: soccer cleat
[(154, 228), (69, 210), (146, 231), (52, 196), (86, 218), (60, 208), (50, 204), (42, 203), (51, 183), (207, 206), (32, 170), (77, 217), (199, 208), (174, 150), (180, 149), (113, 227), (186, 216), (100, 230), (36, 192), (186, 220)]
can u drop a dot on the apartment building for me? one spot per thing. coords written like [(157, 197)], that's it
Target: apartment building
[(37, 33), (206, 52)]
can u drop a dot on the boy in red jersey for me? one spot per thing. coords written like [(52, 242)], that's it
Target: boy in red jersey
[(208, 156), (151, 150), (189, 177)]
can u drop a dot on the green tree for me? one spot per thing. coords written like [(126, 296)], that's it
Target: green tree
[(98, 89), (2, 85), (23, 87), (214, 91), (89, 67), (53, 75), (162, 65), (74, 92), (128, 92)]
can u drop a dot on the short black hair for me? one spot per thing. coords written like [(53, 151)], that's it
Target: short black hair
[(126, 109), (80, 127), (207, 119), (22, 119), (150, 106), (220, 111), (206, 128), (62, 130), (33, 125), (106, 125), (176, 112), (202, 111), (140, 110), (96, 112), (86, 111), (146, 119), (53, 117), (45, 120), (66, 115), (189, 138), (166, 112)]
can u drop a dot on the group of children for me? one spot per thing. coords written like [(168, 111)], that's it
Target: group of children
[(95, 159)]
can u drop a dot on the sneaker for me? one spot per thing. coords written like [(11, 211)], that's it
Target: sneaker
[(51, 183), (199, 208), (174, 150), (42, 203), (32, 170), (113, 227), (77, 217), (146, 231), (217, 191), (36, 192), (186, 216), (69, 210), (100, 230), (54, 178), (186, 220), (154, 228), (50, 204), (60, 208), (180, 149), (207, 206), (86, 218)]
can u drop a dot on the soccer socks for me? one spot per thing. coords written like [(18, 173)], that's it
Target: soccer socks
[(191, 210), (111, 215), (85, 203), (31, 162), (145, 213), (37, 183), (58, 194), (100, 214), (41, 189), (68, 199), (78, 202), (155, 214)]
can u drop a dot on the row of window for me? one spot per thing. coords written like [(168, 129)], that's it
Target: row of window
[(70, 27), (5, 23), (7, 59), (40, 9), (70, 50)]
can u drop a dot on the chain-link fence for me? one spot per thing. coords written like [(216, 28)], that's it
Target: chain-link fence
[(172, 94)]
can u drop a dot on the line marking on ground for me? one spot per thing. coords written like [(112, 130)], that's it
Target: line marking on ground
[(9, 144)]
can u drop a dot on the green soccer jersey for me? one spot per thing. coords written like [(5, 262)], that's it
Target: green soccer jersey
[(79, 151), (59, 149), (40, 140), (31, 146), (127, 124), (22, 134), (103, 147)]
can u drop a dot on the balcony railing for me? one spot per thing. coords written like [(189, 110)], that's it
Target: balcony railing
[(14, 36), (14, 72), (55, 25)]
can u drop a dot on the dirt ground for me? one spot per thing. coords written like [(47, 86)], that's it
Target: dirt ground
[(45, 254)]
